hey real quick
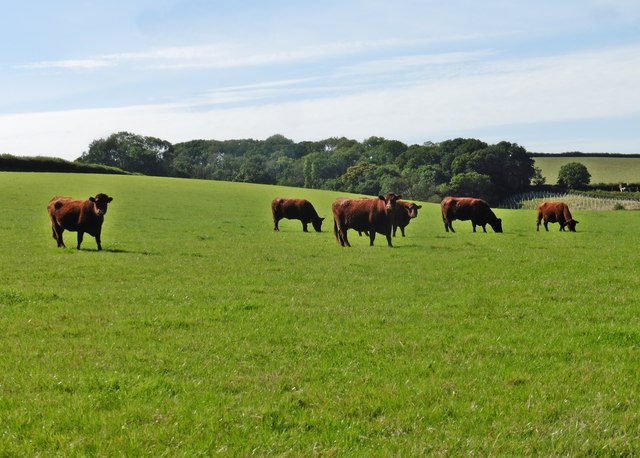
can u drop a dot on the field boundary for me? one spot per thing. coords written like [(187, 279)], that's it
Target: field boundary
[(531, 199)]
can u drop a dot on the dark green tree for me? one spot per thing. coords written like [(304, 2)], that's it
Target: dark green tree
[(361, 178), (469, 184), (253, 169), (131, 152), (574, 175), (381, 151), (538, 179), (422, 182)]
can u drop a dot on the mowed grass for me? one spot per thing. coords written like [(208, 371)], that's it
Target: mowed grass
[(198, 330), (602, 169)]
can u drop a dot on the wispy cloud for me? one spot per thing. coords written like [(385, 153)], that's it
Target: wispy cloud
[(493, 94), (72, 64), (221, 56)]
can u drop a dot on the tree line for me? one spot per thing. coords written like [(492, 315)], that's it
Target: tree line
[(461, 166), (11, 163)]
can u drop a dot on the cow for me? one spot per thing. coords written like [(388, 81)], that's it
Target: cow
[(78, 216), (469, 208), (295, 209), (366, 215), (404, 213), (555, 212)]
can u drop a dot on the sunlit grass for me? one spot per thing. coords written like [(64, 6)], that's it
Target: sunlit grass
[(200, 330)]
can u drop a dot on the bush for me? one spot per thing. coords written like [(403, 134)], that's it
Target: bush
[(10, 163), (574, 175)]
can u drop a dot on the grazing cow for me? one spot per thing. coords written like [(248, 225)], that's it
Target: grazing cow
[(78, 216), (465, 208), (555, 212), (295, 209), (404, 213), (366, 215)]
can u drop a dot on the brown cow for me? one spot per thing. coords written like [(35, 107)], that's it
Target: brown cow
[(555, 212), (404, 213), (370, 215), (295, 209), (465, 208), (78, 216)]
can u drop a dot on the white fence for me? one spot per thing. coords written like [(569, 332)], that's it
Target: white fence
[(530, 200)]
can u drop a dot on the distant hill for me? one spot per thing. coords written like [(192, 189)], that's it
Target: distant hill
[(610, 168)]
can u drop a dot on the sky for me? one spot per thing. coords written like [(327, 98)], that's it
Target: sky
[(550, 75)]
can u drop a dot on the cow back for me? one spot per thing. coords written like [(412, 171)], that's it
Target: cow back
[(75, 215), (470, 208), (363, 214), (554, 212)]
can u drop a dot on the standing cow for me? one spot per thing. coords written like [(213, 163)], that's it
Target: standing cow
[(469, 208), (403, 214), (295, 209), (555, 212), (78, 216), (366, 215)]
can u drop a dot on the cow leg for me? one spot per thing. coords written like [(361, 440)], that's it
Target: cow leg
[(344, 241), (98, 241), (546, 226), (401, 230), (447, 223), (484, 228), (340, 231), (304, 227), (389, 239), (335, 231), (275, 223), (80, 236), (372, 236), (474, 226), (395, 228), (57, 234)]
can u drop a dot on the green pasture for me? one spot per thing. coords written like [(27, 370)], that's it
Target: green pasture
[(604, 169), (198, 330)]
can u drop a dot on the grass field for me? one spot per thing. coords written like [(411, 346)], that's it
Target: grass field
[(604, 169), (198, 330)]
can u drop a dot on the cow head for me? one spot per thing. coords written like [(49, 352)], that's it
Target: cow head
[(317, 224), (412, 210), (100, 202), (496, 225), (390, 200), (571, 224)]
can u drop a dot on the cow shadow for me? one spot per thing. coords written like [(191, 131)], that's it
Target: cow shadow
[(402, 247), (122, 251)]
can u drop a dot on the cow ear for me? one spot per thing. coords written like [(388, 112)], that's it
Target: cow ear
[(418, 207), (321, 219), (399, 197), (576, 221), (109, 199), (92, 199), (381, 197)]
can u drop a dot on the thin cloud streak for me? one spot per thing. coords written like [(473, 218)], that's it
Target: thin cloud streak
[(221, 56)]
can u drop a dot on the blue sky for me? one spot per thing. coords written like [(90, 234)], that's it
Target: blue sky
[(550, 75)]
